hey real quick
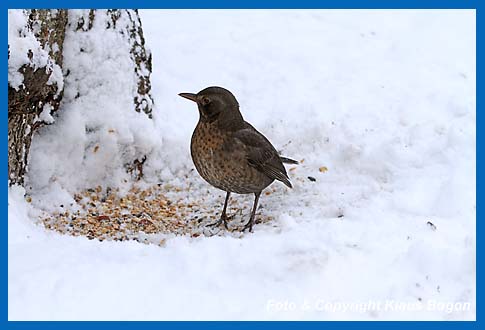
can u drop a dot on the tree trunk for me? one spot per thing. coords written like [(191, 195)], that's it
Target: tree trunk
[(36, 81), (140, 56), (39, 90)]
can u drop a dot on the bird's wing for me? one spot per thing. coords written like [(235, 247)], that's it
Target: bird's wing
[(287, 160), (261, 154)]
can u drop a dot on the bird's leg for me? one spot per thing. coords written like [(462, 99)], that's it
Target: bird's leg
[(250, 223), (224, 217)]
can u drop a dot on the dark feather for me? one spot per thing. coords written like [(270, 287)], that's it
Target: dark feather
[(261, 154), (289, 160)]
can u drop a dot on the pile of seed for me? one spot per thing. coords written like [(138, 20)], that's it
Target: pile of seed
[(152, 214), (141, 215)]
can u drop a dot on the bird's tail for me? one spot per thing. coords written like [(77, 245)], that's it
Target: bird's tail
[(288, 160), (287, 183)]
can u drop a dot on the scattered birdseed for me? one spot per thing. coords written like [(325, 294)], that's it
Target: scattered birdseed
[(143, 215)]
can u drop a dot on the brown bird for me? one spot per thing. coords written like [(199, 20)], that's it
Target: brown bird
[(229, 153)]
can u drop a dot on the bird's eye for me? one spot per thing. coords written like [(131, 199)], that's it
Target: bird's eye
[(205, 101)]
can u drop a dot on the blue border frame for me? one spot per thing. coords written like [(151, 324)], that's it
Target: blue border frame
[(249, 4), (240, 4)]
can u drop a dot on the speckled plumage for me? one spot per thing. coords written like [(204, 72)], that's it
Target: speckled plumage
[(222, 165), (229, 153)]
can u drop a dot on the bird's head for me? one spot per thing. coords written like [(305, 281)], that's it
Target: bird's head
[(215, 104)]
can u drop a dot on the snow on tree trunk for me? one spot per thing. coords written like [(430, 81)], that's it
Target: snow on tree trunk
[(104, 127), (35, 79), (96, 63), (128, 24)]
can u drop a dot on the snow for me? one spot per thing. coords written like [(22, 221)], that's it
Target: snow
[(384, 99), (98, 131), (21, 43), (45, 115)]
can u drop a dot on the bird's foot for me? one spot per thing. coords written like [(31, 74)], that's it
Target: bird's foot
[(249, 226), (223, 219)]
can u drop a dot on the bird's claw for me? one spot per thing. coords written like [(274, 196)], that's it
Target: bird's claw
[(217, 223), (222, 219), (249, 226)]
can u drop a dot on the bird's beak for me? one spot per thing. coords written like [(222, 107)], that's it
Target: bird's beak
[(190, 96)]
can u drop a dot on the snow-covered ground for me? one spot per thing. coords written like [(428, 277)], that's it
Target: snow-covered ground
[(385, 100)]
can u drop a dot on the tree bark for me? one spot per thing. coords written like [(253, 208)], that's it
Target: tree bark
[(31, 103), (37, 93)]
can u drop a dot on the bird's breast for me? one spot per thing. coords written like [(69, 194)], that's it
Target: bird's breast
[(207, 139), (223, 167), (206, 149)]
